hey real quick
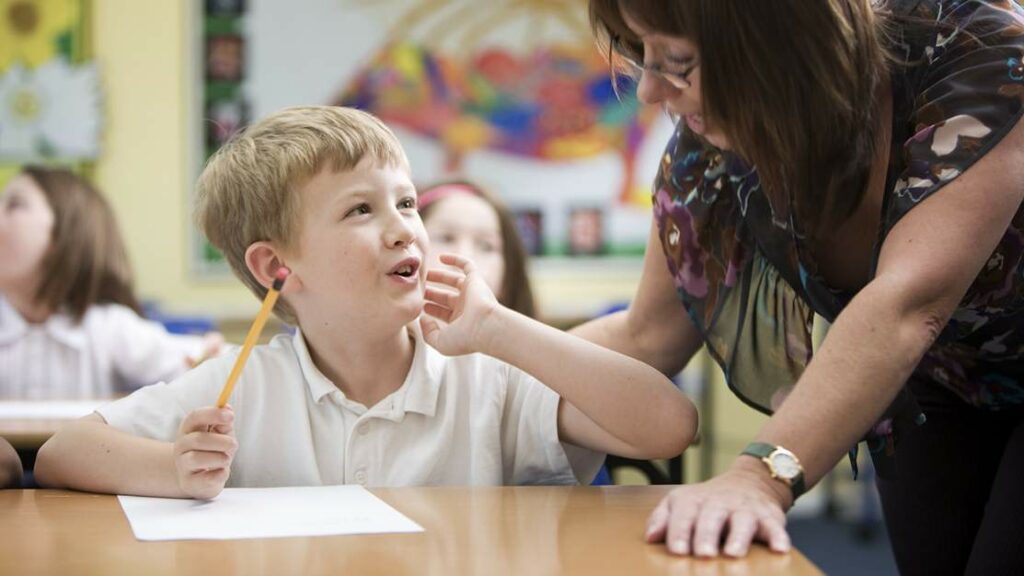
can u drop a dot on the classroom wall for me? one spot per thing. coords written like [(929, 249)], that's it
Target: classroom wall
[(145, 51), (142, 49)]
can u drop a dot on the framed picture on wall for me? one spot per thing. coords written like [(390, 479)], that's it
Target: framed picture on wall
[(223, 119), (225, 8), (225, 58), (586, 231)]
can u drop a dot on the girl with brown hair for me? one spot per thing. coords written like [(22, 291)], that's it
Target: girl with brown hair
[(69, 320), (464, 218)]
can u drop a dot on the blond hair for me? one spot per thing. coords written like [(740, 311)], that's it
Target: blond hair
[(249, 190)]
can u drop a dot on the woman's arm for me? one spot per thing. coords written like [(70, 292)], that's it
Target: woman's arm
[(927, 263), (610, 402), (655, 328)]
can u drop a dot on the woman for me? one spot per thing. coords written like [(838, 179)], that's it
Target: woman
[(864, 161)]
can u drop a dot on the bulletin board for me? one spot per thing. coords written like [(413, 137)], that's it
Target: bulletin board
[(512, 94)]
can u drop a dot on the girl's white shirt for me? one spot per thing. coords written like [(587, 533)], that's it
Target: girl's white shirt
[(112, 351)]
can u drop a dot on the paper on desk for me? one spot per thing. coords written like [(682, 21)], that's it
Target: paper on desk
[(49, 409), (265, 513)]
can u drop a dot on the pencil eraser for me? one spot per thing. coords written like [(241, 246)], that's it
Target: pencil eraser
[(282, 273)]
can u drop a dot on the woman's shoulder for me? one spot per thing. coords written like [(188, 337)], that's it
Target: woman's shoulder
[(961, 98)]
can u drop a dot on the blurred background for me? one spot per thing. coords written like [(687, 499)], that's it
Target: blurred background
[(513, 94)]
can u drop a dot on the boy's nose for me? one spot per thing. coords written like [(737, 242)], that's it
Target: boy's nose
[(400, 233)]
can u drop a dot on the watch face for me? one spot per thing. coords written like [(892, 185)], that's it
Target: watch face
[(785, 466)]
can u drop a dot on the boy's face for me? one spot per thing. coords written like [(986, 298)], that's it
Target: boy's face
[(360, 248)]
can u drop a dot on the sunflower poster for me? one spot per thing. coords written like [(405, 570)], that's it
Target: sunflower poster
[(49, 89)]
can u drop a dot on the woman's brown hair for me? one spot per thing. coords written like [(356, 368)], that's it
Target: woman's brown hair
[(792, 84), (516, 292), (87, 262)]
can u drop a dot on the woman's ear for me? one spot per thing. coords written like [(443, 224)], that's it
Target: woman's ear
[(264, 260)]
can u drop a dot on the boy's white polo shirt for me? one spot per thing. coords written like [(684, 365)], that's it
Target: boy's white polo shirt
[(464, 420)]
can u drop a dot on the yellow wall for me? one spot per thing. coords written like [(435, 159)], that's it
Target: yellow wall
[(143, 50)]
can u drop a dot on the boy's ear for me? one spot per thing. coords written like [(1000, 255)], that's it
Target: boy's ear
[(263, 260)]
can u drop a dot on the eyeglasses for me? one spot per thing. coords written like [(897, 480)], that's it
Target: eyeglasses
[(678, 80)]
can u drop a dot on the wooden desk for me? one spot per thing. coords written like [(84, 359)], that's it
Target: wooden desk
[(487, 531), (27, 425), (28, 434)]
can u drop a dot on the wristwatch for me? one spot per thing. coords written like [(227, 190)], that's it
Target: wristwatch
[(782, 464)]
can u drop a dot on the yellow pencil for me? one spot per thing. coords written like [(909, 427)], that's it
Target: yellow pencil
[(254, 333)]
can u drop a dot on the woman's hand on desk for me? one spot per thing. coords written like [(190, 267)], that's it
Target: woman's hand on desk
[(204, 450), (742, 504)]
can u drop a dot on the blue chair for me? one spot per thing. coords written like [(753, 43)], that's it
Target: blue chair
[(179, 323)]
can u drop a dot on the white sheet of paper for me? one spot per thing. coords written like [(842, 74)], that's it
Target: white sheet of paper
[(265, 513), (49, 409)]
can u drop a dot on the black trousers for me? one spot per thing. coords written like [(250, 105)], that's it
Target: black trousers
[(956, 503)]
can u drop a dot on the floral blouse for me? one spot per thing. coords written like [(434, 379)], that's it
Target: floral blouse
[(751, 288)]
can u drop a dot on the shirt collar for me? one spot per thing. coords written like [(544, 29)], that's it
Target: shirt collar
[(59, 326), (419, 393)]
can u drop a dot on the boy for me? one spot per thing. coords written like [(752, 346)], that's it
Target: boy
[(361, 394)]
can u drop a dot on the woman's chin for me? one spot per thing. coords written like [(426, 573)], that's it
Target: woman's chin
[(718, 140)]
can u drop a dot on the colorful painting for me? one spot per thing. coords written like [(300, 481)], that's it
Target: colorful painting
[(554, 103)]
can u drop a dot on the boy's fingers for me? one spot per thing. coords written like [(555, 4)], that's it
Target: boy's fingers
[(447, 277), (439, 312), (200, 460), (206, 484), (203, 419), (442, 297), (207, 441), (458, 261)]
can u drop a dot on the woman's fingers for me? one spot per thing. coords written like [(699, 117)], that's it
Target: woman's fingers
[(684, 509), (772, 529), (657, 522), (743, 525), (708, 529)]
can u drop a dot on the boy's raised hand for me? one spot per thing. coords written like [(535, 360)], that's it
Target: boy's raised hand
[(458, 313), (204, 450)]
